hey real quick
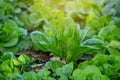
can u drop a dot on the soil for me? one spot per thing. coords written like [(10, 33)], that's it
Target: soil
[(39, 58)]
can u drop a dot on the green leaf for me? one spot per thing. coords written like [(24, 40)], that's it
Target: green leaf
[(53, 65), (16, 62), (17, 10), (7, 56), (92, 41), (24, 17), (24, 59), (9, 34), (24, 43), (114, 44), (91, 45), (5, 67), (39, 40), (44, 74), (31, 76), (76, 75), (22, 32), (65, 71)]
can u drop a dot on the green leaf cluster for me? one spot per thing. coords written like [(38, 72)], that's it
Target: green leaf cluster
[(10, 65), (89, 73), (12, 36), (107, 64), (62, 38)]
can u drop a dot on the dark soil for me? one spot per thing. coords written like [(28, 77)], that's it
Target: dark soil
[(39, 58)]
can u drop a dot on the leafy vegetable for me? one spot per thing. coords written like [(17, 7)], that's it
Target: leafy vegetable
[(62, 38), (10, 65), (89, 73), (107, 64), (57, 71), (11, 32)]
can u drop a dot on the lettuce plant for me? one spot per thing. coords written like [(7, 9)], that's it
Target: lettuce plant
[(10, 65), (9, 34), (107, 64), (62, 37), (89, 73), (12, 36), (104, 24)]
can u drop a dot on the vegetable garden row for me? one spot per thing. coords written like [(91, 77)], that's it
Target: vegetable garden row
[(66, 29)]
